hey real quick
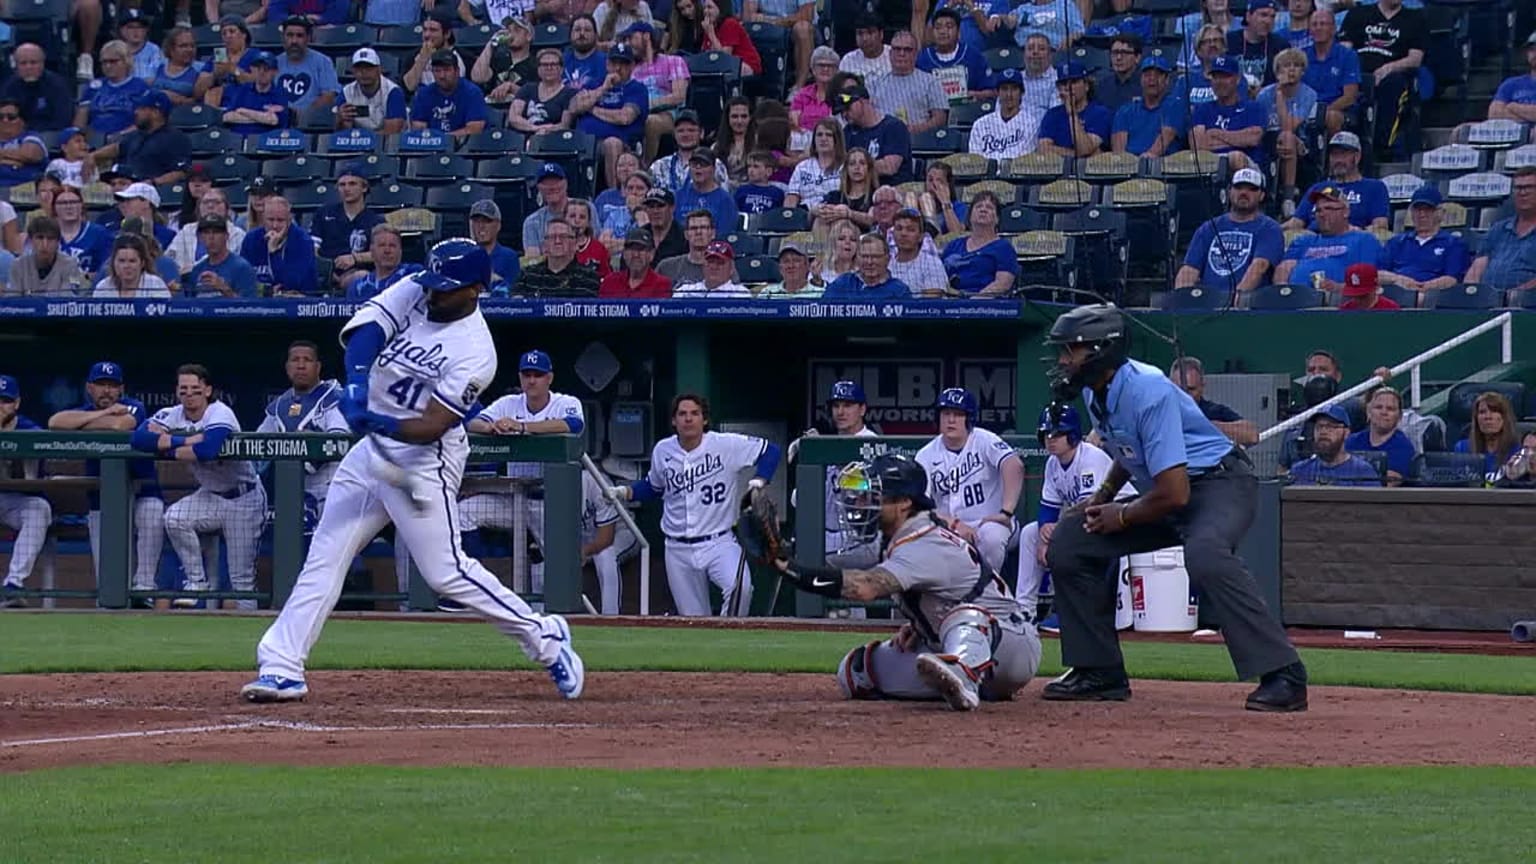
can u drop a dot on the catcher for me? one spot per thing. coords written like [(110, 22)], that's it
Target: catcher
[(964, 640)]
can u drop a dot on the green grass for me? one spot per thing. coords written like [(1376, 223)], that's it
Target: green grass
[(123, 643), (231, 814)]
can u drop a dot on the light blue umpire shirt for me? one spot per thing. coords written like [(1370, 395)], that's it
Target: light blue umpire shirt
[(1151, 425)]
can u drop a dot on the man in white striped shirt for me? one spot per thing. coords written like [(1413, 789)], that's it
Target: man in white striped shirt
[(872, 58), (907, 93), (919, 268)]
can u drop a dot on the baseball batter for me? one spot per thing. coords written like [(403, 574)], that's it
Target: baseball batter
[(975, 477), (106, 409), (697, 475), (308, 405), (229, 499), (965, 640), (418, 355), (29, 513)]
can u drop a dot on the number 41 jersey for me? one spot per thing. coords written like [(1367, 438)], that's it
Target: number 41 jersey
[(966, 483)]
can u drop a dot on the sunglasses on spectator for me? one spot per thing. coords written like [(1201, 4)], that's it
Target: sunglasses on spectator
[(10, 115)]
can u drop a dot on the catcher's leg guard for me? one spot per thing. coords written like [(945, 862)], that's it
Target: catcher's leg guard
[(855, 675), (969, 634)]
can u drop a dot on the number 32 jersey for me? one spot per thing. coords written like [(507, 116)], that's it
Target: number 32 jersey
[(701, 488), (966, 483)]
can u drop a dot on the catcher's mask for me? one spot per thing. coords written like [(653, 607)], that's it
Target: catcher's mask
[(862, 487)]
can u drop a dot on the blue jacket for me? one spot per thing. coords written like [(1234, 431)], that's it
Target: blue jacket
[(290, 269)]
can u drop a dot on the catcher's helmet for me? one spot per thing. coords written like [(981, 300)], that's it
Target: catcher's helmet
[(1059, 419), (959, 399), (1101, 326), (861, 487), (454, 263), (847, 391)]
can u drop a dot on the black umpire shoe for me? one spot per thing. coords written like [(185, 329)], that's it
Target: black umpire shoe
[(1108, 684), (1282, 690)]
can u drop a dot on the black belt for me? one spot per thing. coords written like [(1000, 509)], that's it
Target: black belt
[(1236, 458), (695, 540), (240, 491)]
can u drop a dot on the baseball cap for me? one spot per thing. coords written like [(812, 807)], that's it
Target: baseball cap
[(639, 27), (264, 58), (140, 190), (1336, 413), (622, 52), (659, 196), (485, 208), (1427, 195), (298, 21), (105, 370), (9, 389), (235, 21), (212, 223), (844, 98), (687, 115), (1070, 71), (522, 23), (719, 249), (792, 246), (262, 186), (1250, 177), (535, 361), (1158, 62), (445, 57), (365, 56), (639, 237), (116, 172), (132, 225), (198, 171), (155, 99), (1360, 280), (1225, 64), (1328, 192), (67, 134), (702, 157), (354, 168), (1345, 139), (133, 16), (551, 169), (1262, 4), (1010, 76)]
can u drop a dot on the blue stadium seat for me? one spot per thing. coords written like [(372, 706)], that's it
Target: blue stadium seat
[(456, 197), (758, 269), (1273, 297), (782, 221), (342, 39), (471, 39), (1009, 57), (494, 142), (403, 38), (937, 143), (1465, 297), (1463, 395), (231, 168), (213, 142), (516, 168), (438, 169), (1017, 219), (297, 171), (194, 118), (745, 243), (1197, 298), (269, 37), (393, 196), (1404, 297), (550, 36)]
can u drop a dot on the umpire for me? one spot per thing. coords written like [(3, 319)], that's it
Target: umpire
[(1196, 489)]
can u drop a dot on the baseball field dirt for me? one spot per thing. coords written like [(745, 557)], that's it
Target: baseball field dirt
[(653, 719)]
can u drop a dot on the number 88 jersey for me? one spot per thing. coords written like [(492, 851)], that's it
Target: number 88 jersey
[(966, 483)]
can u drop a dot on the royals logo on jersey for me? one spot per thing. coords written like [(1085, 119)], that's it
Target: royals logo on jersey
[(1074, 482), (701, 488), (966, 483)]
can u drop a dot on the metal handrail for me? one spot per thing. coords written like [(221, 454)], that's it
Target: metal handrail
[(629, 522), (1503, 321)]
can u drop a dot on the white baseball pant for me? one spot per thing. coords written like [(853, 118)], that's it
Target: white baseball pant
[(148, 526), (239, 520), (30, 516), (692, 566), (606, 563), (1031, 573), (992, 541)]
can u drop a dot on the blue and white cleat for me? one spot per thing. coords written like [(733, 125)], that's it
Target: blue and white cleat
[(272, 688), (568, 672), (1051, 624)]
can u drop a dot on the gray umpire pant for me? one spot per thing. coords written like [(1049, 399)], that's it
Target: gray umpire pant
[(1220, 509)]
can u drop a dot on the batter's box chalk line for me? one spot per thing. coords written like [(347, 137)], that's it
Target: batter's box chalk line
[(288, 725)]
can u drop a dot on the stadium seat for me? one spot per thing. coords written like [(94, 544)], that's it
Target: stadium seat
[(1400, 187), (213, 142), (1494, 134), (194, 118), (394, 196), (309, 197), (1064, 194), (1509, 161), (1046, 258), (415, 142), (968, 166), (342, 39), (936, 143), (1006, 192), (413, 221), (1033, 169), (1152, 224), (317, 120), (378, 167), (758, 270), (1465, 297), (746, 244), (208, 38), (1404, 297), (439, 169), (1092, 57), (456, 197), (1108, 167), (493, 142), (963, 115), (299, 170), (1451, 160), (1456, 470), (278, 143), (783, 220), (1276, 297), (347, 143), (1196, 298), (404, 38), (1004, 58), (1019, 219), (269, 37), (231, 168), (549, 36), (1485, 189), (1102, 246), (1377, 460), (472, 38), (171, 196), (773, 48), (507, 169)]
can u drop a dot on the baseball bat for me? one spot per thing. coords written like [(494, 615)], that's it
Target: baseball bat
[(741, 569)]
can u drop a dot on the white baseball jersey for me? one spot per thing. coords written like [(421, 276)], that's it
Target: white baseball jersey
[(967, 483), (515, 407), (997, 138), (597, 509), (215, 476), (1075, 482), (701, 488)]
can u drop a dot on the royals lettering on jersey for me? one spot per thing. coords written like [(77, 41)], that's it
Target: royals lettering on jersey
[(966, 483), (700, 488), (226, 475), (515, 407)]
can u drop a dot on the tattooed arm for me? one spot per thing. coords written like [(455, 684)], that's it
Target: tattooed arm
[(866, 585), (860, 585)]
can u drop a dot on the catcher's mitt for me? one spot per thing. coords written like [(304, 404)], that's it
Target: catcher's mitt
[(757, 528)]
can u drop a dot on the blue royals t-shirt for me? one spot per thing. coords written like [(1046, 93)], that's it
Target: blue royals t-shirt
[(1520, 90), (1058, 128), (1368, 200), (1142, 125), (631, 92), (446, 112), (972, 271), (1330, 75), (1223, 248), (90, 248), (111, 105), (306, 79), (1234, 118), (247, 96), (752, 199)]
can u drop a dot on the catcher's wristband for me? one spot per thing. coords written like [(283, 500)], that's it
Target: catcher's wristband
[(826, 581)]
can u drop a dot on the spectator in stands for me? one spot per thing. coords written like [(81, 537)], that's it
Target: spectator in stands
[(1514, 100), (1213, 13), (671, 240), (758, 195), (1078, 126), (507, 62), (436, 36), (152, 151), (1257, 45), (319, 13), (1330, 463), (129, 275), (188, 245), (635, 280), (450, 105), (386, 251), (88, 243), (219, 272), (614, 113), (589, 250), (47, 101), (143, 56), (1151, 124), (485, 229), (854, 197), (617, 204), (872, 57), (1362, 290), (884, 204), (666, 79), (180, 76), (1229, 125), (918, 268), (960, 69), (1116, 86), (237, 53), (1507, 259), (1039, 80), (1390, 40), (75, 167), (282, 253), (308, 77), (808, 106), (1493, 433), (1293, 23), (22, 153), (820, 174), (937, 201), (796, 16), (1384, 407), (1236, 251), (981, 264), (872, 281), (885, 138), (107, 105), (540, 106), (142, 201), (718, 278), (392, 13), (1427, 258), (256, 196), (1289, 104), (794, 276), (585, 67), (614, 18), (493, 11), (261, 105), (42, 271), (673, 172), (198, 184), (913, 96), (1189, 374), (1333, 70), (343, 229), (1061, 22), (28, 514), (371, 101), (149, 230), (699, 229), (737, 137), (839, 255), (1369, 202), (1194, 86), (1008, 131), (1319, 259), (978, 19)]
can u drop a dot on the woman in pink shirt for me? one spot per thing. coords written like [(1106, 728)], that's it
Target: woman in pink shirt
[(808, 106)]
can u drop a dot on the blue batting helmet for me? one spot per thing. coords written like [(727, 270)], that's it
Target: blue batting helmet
[(1059, 419), (959, 399), (847, 391), (453, 264)]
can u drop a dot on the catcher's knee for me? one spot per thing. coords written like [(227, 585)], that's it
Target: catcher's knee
[(856, 674)]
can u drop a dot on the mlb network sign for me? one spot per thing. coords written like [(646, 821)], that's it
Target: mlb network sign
[(902, 393)]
